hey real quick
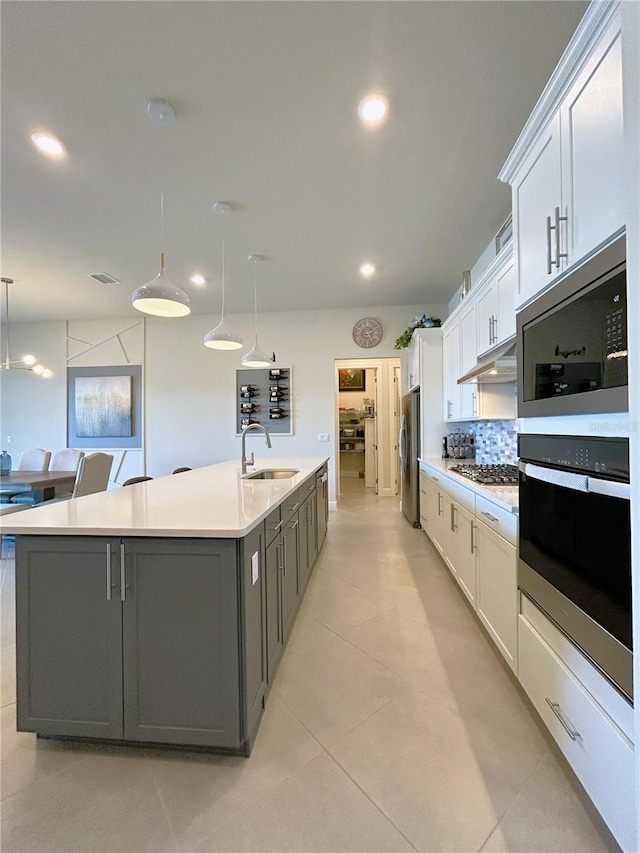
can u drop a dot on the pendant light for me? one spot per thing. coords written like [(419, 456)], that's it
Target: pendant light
[(160, 296), (256, 357), (27, 362), (221, 337)]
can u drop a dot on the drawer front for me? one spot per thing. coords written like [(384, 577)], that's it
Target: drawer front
[(307, 488), (272, 525), (503, 522), (620, 711), (290, 505), (599, 753), (465, 497)]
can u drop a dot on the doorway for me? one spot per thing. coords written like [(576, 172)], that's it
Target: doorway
[(366, 414)]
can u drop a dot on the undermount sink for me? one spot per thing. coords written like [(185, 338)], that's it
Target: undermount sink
[(272, 474)]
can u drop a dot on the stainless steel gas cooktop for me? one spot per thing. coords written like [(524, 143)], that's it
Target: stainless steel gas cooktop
[(489, 475)]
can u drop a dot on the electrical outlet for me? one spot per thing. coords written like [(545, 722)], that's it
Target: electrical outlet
[(8, 439), (323, 436)]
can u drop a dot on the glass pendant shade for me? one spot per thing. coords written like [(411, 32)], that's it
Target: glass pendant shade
[(161, 297)]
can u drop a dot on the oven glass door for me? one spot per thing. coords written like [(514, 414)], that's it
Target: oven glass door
[(580, 543)]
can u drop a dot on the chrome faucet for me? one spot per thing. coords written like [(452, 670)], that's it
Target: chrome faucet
[(245, 461)]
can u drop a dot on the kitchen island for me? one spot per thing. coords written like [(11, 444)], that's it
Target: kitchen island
[(158, 613)]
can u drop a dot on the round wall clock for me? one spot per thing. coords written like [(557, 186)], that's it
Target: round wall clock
[(367, 332)]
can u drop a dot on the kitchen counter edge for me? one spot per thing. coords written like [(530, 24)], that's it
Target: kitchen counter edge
[(174, 506), (505, 497)]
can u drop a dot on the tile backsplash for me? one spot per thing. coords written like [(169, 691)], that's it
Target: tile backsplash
[(496, 441)]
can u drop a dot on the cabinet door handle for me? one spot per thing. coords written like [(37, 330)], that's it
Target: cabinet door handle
[(449, 406), (295, 507), (453, 518), (108, 571), (559, 219), (277, 527), (123, 579), (490, 517), (474, 398), (549, 260), (293, 526), (573, 733), (439, 504), (473, 538), (435, 479)]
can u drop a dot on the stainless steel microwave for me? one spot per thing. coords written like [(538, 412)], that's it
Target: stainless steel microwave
[(572, 342)]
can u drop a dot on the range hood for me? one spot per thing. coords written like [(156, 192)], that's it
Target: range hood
[(500, 366)]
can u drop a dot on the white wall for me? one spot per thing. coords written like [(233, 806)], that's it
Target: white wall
[(33, 411), (190, 390)]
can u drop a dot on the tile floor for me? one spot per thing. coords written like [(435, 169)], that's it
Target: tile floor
[(393, 725)]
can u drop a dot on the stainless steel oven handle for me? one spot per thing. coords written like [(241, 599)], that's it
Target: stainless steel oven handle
[(573, 733), (564, 479), (609, 488)]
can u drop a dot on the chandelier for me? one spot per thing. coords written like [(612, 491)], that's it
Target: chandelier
[(26, 362)]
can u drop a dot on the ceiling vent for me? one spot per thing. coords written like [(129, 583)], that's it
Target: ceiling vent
[(104, 278)]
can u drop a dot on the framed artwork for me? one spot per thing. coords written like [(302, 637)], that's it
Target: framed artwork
[(351, 379), (104, 406)]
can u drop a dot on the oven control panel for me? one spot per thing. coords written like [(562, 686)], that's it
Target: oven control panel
[(604, 457)]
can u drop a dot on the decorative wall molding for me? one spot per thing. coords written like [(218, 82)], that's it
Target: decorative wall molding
[(109, 343)]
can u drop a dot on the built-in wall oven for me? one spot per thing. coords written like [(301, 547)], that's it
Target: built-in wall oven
[(572, 342), (575, 544)]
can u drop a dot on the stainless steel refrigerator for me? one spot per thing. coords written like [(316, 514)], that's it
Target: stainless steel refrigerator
[(409, 452)]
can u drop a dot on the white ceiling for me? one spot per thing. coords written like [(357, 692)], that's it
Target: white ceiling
[(266, 96)]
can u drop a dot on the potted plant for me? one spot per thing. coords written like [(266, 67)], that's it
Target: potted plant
[(423, 322)]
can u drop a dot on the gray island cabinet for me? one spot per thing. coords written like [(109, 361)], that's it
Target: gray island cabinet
[(160, 639)]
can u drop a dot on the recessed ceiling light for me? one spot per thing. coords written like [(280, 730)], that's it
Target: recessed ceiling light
[(367, 270), (48, 144), (373, 108), (197, 279)]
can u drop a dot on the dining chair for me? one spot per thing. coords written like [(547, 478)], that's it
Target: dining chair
[(93, 476), (133, 480), (34, 460), (67, 459)]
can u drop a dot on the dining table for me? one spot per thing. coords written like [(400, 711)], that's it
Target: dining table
[(44, 483)]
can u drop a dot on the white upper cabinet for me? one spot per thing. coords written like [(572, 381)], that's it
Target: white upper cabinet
[(468, 342), (506, 286), (496, 317), (451, 371), (593, 148), (566, 170), (537, 202)]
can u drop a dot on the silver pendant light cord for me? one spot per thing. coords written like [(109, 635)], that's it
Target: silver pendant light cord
[(255, 300), (222, 215), (7, 361)]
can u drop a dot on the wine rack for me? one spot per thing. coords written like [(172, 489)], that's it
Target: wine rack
[(263, 396)]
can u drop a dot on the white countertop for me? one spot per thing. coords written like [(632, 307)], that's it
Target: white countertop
[(211, 502), (503, 496)]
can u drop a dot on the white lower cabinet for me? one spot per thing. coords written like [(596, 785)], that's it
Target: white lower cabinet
[(476, 539), (460, 555), (599, 752), (497, 590), (432, 513)]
